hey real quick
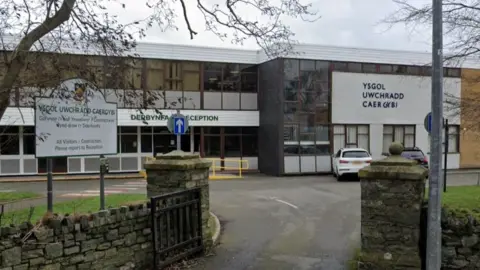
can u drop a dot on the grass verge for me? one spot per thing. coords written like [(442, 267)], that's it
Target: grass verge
[(6, 197), (79, 206), (462, 197)]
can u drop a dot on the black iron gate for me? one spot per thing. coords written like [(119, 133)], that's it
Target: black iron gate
[(176, 226)]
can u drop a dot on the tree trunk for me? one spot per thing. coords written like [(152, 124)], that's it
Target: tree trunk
[(20, 53)]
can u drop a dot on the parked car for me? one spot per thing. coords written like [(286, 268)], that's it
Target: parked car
[(415, 153), (348, 161)]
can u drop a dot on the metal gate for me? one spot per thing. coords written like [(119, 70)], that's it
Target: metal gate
[(176, 226)]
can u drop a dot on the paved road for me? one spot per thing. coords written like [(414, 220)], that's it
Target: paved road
[(285, 223)]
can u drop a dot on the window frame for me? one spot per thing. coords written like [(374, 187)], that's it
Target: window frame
[(404, 127), (345, 140), (456, 134)]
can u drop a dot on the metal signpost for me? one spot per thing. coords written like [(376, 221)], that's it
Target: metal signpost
[(178, 125), (427, 122), (83, 125), (104, 167), (434, 236), (445, 157)]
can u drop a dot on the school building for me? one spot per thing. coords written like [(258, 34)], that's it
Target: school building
[(283, 116)]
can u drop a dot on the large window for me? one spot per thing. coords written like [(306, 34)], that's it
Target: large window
[(146, 139), (233, 141), (249, 142), (306, 110), (306, 140), (127, 139), (163, 140), (29, 140), (230, 77), (453, 138), (212, 141), (9, 141), (404, 134), (351, 136)]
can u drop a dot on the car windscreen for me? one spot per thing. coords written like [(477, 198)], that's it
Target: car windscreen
[(355, 154), (412, 154)]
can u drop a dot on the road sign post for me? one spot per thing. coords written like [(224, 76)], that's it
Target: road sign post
[(178, 125)]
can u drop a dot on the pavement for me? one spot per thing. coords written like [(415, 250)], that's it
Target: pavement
[(305, 222)]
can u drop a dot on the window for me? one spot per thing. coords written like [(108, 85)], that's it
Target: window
[(127, 140), (133, 74), (146, 143), (369, 68), (232, 141), (155, 74), (306, 139), (191, 76), (9, 141), (453, 138), (212, 146), (29, 140), (404, 134), (249, 142), (163, 140), (211, 141), (248, 78), (114, 71), (351, 136)]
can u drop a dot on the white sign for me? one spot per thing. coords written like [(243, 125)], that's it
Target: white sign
[(360, 98), (75, 122)]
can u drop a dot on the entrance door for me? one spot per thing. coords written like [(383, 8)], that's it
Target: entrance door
[(59, 165)]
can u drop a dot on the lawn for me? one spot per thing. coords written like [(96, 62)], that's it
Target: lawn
[(461, 197), (79, 206), (15, 196)]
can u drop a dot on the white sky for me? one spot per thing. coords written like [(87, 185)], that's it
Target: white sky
[(351, 23)]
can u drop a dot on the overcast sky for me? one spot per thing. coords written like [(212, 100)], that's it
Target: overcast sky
[(344, 23)]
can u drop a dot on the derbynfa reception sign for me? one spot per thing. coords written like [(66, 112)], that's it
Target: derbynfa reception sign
[(75, 121)]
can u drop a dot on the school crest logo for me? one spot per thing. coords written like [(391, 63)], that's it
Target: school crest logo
[(79, 93)]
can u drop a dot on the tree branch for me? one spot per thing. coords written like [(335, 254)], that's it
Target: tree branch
[(21, 51)]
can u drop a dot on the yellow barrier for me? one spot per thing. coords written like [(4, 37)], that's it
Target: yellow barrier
[(232, 168)]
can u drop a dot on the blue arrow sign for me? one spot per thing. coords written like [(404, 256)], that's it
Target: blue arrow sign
[(178, 125), (428, 122)]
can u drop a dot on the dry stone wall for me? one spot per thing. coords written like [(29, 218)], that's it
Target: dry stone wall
[(112, 239), (460, 240)]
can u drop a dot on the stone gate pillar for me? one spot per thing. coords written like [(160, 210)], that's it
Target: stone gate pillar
[(392, 192), (177, 171)]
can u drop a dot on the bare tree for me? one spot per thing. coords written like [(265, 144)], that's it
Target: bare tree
[(32, 31), (462, 34)]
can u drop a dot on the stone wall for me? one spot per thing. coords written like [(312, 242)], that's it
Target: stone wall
[(112, 239), (460, 240)]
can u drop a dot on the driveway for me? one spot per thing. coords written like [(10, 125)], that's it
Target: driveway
[(285, 223)]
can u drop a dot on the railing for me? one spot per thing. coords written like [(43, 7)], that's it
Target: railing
[(176, 226), (232, 168)]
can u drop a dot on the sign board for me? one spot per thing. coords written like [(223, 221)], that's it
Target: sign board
[(76, 121), (427, 122), (177, 124)]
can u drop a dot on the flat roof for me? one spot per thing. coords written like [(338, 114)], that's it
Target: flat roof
[(252, 56)]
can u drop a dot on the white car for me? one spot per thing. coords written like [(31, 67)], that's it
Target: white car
[(348, 161)]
